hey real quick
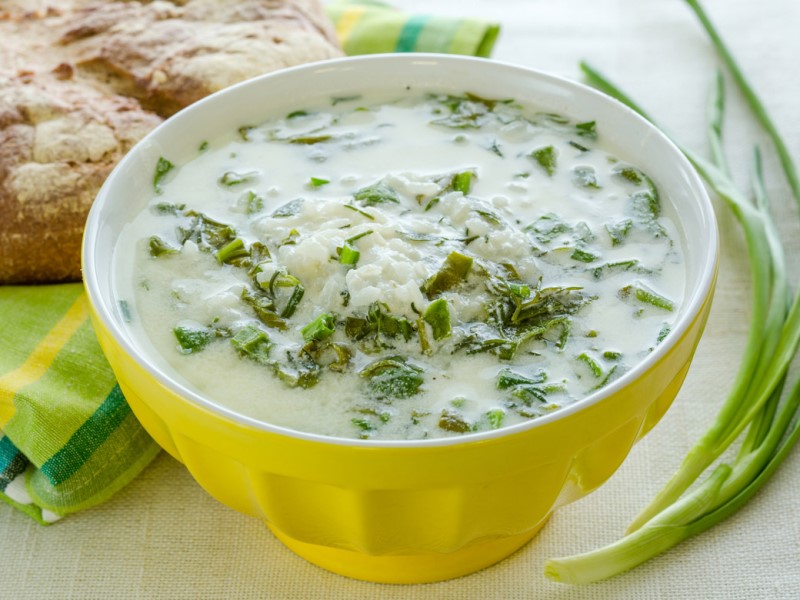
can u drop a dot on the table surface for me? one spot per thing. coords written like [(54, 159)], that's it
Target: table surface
[(163, 537)]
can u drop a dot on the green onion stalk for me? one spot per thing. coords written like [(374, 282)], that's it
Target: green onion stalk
[(760, 410)]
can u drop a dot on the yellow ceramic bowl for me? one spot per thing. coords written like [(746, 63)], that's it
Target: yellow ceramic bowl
[(401, 511)]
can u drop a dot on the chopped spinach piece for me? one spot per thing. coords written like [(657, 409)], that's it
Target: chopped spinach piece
[(585, 177), (437, 315), (167, 208), (587, 129), (547, 227), (644, 294), (163, 166), (253, 203), (289, 209), (392, 377), (374, 329), (264, 307), (252, 343), (581, 254), (318, 182), (547, 158), (495, 416), (379, 193), (232, 178), (159, 247), (454, 271), (619, 231), (244, 132), (452, 420), (192, 337), (206, 232)]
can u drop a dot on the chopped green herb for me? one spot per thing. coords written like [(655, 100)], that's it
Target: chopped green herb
[(167, 208), (289, 209), (320, 328), (585, 177), (592, 363), (437, 315), (192, 338), (616, 267), (663, 332), (264, 307), (578, 146), (252, 343), (547, 227), (392, 377), (159, 247), (546, 157), (454, 271), (339, 99), (232, 251), (494, 147), (317, 182), (297, 370), (282, 279), (452, 420), (496, 416), (632, 174), (619, 231), (231, 178), (374, 329), (508, 379), (310, 140), (644, 294), (244, 132), (359, 211), (206, 232), (379, 193), (253, 203), (462, 182), (587, 130), (581, 254), (297, 113), (163, 166), (203, 146)]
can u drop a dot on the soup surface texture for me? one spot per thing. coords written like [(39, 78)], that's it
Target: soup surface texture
[(426, 267)]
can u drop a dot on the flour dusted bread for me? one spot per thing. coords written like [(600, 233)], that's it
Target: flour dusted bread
[(58, 142), (169, 56), (81, 82)]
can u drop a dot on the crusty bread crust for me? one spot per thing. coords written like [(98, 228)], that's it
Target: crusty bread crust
[(82, 82)]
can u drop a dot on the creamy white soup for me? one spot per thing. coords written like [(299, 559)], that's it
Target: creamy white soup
[(427, 267)]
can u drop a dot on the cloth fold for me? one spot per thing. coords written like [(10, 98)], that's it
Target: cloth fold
[(68, 439)]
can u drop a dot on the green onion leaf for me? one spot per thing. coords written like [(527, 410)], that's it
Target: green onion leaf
[(320, 328)]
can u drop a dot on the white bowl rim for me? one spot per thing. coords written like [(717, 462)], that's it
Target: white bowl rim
[(700, 294)]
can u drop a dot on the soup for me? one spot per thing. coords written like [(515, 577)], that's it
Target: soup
[(424, 267)]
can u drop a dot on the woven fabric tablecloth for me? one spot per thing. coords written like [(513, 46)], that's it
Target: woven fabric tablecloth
[(163, 537)]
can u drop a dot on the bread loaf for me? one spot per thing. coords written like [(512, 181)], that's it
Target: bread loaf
[(80, 83)]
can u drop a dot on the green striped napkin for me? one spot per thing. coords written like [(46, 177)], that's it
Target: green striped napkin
[(371, 27), (68, 439)]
